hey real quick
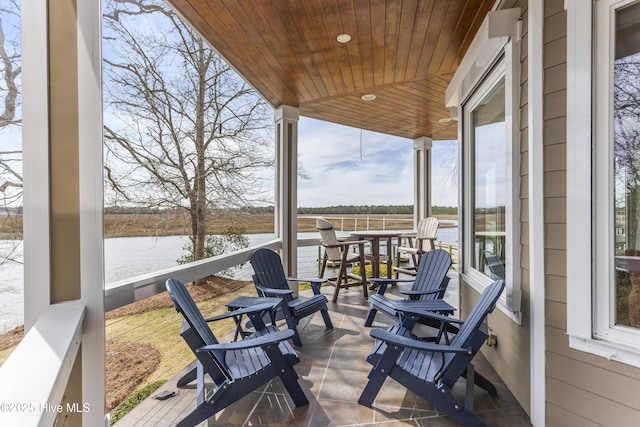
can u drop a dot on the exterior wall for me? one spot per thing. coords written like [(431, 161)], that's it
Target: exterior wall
[(510, 358), (582, 389)]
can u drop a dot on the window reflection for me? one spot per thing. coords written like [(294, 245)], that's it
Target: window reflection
[(626, 154), (489, 182)]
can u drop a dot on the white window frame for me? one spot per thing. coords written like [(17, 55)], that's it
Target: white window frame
[(590, 323), (510, 300), (497, 37)]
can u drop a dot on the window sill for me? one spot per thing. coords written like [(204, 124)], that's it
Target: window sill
[(617, 352), (479, 282)]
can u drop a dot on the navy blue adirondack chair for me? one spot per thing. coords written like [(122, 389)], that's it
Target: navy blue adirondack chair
[(430, 370), (271, 281), (239, 367), (430, 283)]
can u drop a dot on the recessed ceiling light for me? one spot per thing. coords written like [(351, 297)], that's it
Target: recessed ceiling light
[(344, 38), (368, 97), (445, 120)]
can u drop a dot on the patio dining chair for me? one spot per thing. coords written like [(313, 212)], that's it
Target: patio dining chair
[(270, 281), (236, 368), (424, 242), (338, 252), (430, 370)]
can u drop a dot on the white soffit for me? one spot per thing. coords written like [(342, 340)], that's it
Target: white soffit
[(493, 34)]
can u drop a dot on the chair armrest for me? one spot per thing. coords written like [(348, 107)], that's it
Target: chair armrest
[(273, 291), (393, 339), (314, 280), (384, 282), (412, 294), (315, 283), (261, 341), (347, 243), (247, 310), (428, 314)]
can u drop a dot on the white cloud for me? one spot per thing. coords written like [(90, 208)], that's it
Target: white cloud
[(379, 172)]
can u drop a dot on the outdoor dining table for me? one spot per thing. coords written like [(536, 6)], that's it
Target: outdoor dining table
[(376, 236)]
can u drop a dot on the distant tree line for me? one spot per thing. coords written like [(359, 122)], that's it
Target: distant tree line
[(376, 210), (366, 210), (341, 209)]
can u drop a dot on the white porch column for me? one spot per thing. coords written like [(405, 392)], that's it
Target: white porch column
[(421, 178), (63, 185), (286, 220)]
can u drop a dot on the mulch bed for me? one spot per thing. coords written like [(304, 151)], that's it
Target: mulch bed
[(214, 286), (128, 365)]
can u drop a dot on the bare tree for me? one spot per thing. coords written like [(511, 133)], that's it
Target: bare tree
[(10, 126), (627, 147), (182, 130)]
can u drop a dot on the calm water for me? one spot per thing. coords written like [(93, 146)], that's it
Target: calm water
[(132, 256)]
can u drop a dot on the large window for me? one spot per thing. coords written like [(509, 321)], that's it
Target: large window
[(617, 177), (490, 221), (488, 185), (604, 301), (485, 93), (625, 141)]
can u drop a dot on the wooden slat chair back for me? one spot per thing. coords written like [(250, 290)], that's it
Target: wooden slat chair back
[(237, 368), (431, 275), (339, 252), (470, 335), (430, 370), (270, 281), (426, 234), (329, 240), (198, 333), (430, 283)]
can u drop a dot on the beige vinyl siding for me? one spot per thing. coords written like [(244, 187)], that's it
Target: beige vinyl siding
[(510, 358), (582, 389)]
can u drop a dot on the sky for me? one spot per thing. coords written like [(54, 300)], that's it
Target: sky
[(345, 166)]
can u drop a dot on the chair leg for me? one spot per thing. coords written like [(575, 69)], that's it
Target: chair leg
[(363, 275), (397, 264), (446, 403), (372, 388), (291, 324), (327, 319), (482, 382), (342, 275), (378, 375), (186, 378), (287, 375), (324, 265), (370, 316)]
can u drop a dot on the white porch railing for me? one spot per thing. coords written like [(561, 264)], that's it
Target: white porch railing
[(368, 222), (34, 377)]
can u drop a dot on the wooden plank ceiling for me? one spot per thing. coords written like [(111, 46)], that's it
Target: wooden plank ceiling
[(404, 52)]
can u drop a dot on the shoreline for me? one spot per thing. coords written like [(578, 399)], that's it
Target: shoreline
[(145, 225)]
